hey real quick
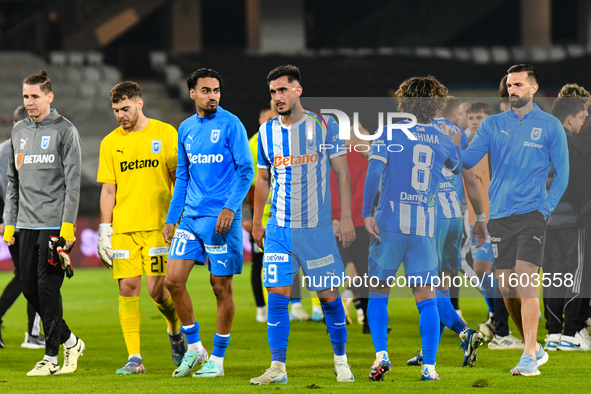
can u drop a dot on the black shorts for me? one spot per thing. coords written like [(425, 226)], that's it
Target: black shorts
[(517, 237)]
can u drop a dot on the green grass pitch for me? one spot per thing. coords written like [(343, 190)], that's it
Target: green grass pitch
[(91, 310)]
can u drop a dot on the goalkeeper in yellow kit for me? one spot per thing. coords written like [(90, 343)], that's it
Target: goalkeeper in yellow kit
[(137, 168)]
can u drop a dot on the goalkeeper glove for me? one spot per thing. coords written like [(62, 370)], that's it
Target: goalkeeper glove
[(105, 249), (8, 233), (57, 252)]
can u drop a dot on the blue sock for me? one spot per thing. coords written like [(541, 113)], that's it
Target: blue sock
[(278, 326), (377, 318), (488, 291), (296, 300), (429, 329), (447, 312), (192, 333), (220, 343), (335, 324)]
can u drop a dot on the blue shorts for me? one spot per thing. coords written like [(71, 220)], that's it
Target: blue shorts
[(313, 249), (195, 239), (449, 243), (417, 253), (484, 252)]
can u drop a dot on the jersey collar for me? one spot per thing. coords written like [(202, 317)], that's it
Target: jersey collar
[(534, 110), (207, 117)]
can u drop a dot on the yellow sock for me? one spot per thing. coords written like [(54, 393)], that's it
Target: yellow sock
[(169, 313), (130, 318), (315, 301)]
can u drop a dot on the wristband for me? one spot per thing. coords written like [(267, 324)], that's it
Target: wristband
[(67, 231), (105, 230), (481, 218), (8, 233)]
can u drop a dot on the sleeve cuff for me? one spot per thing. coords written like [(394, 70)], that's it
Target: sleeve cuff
[(380, 158), (343, 152)]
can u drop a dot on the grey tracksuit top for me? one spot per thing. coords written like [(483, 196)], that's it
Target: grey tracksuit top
[(44, 170)]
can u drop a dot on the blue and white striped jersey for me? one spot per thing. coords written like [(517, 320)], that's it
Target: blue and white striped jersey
[(298, 157), (449, 199), (410, 177)]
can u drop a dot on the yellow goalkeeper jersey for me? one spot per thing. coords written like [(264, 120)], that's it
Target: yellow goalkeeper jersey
[(141, 164)]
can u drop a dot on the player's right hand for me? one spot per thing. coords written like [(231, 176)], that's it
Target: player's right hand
[(105, 249), (258, 233), (168, 232), (9, 234), (372, 227)]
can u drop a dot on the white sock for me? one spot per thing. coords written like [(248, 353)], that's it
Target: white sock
[(338, 359), (134, 355), (279, 365), (172, 333), (425, 366), (347, 294), (218, 360), (381, 354), (51, 359), (317, 308), (195, 347), (72, 341), (261, 309)]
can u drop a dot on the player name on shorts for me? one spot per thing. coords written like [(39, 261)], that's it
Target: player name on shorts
[(138, 164), (281, 161)]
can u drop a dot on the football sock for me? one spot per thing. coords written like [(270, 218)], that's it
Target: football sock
[(220, 343), (192, 334), (130, 319), (51, 359), (71, 341), (429, 329), (448, 315), (278, 326), (335, 324), (169, 313), (488, 286), (377, 318)]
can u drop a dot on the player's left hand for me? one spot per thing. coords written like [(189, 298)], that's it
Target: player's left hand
[(449, 131), (372, 227), (479, 230), (224, 221), (347, 232)]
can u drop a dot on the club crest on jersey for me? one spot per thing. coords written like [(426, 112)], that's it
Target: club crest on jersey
[(215, 135), (188, 146), (310, 143), (156, 146), (536, 133), (45, 141)]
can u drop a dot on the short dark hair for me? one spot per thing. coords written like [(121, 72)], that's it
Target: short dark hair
[(478, 106), (265, 107), (451, 103), (528, 68), (19, 114), (413, 89), (39, 79), (193, 79), (291, 72), (125, 90), (503, 91), (564, 107)]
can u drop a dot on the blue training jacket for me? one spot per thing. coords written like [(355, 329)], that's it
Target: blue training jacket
[(215, 167), (521, 152)]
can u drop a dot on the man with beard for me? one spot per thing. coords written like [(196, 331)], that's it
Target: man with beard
[(522, 142), (214, 174), (136, 167)]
